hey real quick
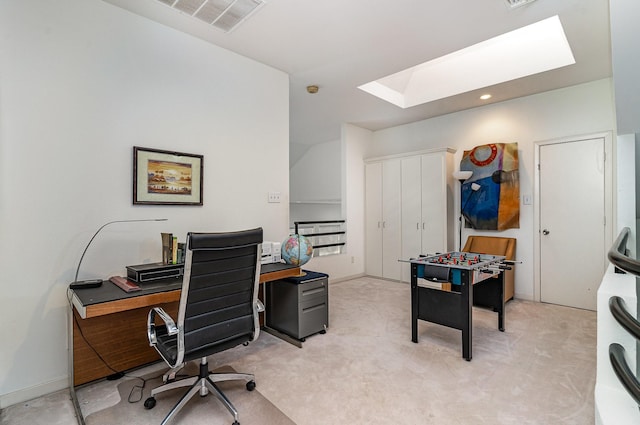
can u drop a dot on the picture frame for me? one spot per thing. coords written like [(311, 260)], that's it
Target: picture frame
[(162, 177)]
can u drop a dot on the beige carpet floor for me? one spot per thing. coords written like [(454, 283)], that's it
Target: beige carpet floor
[(252, 407), (366, 370)]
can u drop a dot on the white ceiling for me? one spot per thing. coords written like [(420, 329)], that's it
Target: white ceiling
[(342, 44)]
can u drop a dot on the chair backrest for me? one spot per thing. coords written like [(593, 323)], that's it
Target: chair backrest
[(218, 304), (493, 245)]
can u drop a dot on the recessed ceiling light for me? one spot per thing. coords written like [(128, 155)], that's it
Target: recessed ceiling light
[(529, 50), (485, 96)]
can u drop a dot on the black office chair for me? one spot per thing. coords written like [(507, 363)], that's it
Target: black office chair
[(218, 310)]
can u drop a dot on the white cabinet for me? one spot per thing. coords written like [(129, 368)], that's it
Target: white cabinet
[(426, 202), (408, 202), (373, 219), (382, 212)]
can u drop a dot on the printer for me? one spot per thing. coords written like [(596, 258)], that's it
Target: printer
[(271, 252)]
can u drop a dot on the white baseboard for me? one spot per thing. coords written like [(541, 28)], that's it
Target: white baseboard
[(344, 279), (523, 297), (36, 391)]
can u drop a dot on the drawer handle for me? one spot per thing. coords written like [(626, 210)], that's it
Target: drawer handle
[(312, 291), (315, 307)]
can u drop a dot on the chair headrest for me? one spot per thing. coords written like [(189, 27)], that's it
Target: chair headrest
[(224, 240)]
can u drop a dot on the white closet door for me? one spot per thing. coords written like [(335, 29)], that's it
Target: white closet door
[(434, 204), (391, 219), (572, 222), (373, 219), (411, 212)]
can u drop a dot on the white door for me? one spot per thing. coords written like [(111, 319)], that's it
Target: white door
[(572, 222), (373, 219), (434, 204), (391, 231), (411, 212)]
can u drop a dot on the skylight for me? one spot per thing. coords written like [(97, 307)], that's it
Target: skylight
[(536, 48)]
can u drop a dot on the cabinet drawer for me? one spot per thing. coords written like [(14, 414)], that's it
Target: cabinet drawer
[(313, 317), (312, 289)]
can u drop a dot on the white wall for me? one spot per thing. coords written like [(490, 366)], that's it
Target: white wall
[(350, 264), (315, 184), (576, 110), (317, 176), (626, 189), (625, 61), (81, 82)]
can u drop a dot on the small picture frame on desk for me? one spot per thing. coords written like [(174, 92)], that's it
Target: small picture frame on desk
[(166, 178)]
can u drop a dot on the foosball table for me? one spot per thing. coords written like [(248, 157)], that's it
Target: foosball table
[(451, 303)]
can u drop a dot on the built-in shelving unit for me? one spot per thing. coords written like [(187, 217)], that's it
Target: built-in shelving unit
[(328, 237)]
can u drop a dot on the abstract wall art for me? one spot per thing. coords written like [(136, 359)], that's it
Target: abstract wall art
[(490, 198)]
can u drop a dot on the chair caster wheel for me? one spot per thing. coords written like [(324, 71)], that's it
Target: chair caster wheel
[(150, 403), (251, 385), (303, 339), (323, 331), (235, 423)]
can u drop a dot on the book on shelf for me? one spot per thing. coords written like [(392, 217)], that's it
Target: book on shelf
[(167, 248), (181, 252), (174, 250)]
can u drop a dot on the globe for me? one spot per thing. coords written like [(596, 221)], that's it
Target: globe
[(296, 250)]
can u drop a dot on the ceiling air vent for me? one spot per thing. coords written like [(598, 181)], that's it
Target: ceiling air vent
[(222, 14), (517, 3)]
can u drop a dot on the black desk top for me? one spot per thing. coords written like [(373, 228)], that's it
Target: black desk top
[(110, 292)]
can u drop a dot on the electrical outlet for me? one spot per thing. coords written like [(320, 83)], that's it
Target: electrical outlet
[(274, 197)]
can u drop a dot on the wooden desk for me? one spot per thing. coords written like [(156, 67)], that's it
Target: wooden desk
[(109, 326)]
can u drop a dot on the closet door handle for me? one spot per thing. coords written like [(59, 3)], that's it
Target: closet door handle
[(384, 224), (417, 226)]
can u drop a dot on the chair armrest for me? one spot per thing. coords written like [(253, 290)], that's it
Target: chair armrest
[(172, 329)]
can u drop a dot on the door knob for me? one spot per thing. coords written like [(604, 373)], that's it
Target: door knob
[(545, 232)]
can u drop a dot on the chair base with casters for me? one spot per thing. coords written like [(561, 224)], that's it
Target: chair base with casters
[(219, 309), (203, 384)]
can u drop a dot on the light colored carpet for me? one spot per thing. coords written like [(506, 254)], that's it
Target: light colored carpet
[(366, 370), (252, 407)]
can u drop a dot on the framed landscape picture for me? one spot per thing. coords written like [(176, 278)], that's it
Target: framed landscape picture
[(166, 178)]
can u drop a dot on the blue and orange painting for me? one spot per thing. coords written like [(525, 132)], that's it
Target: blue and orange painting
[(490, 198)]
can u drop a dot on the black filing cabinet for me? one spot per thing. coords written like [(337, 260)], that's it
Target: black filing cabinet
[(298, 306)]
